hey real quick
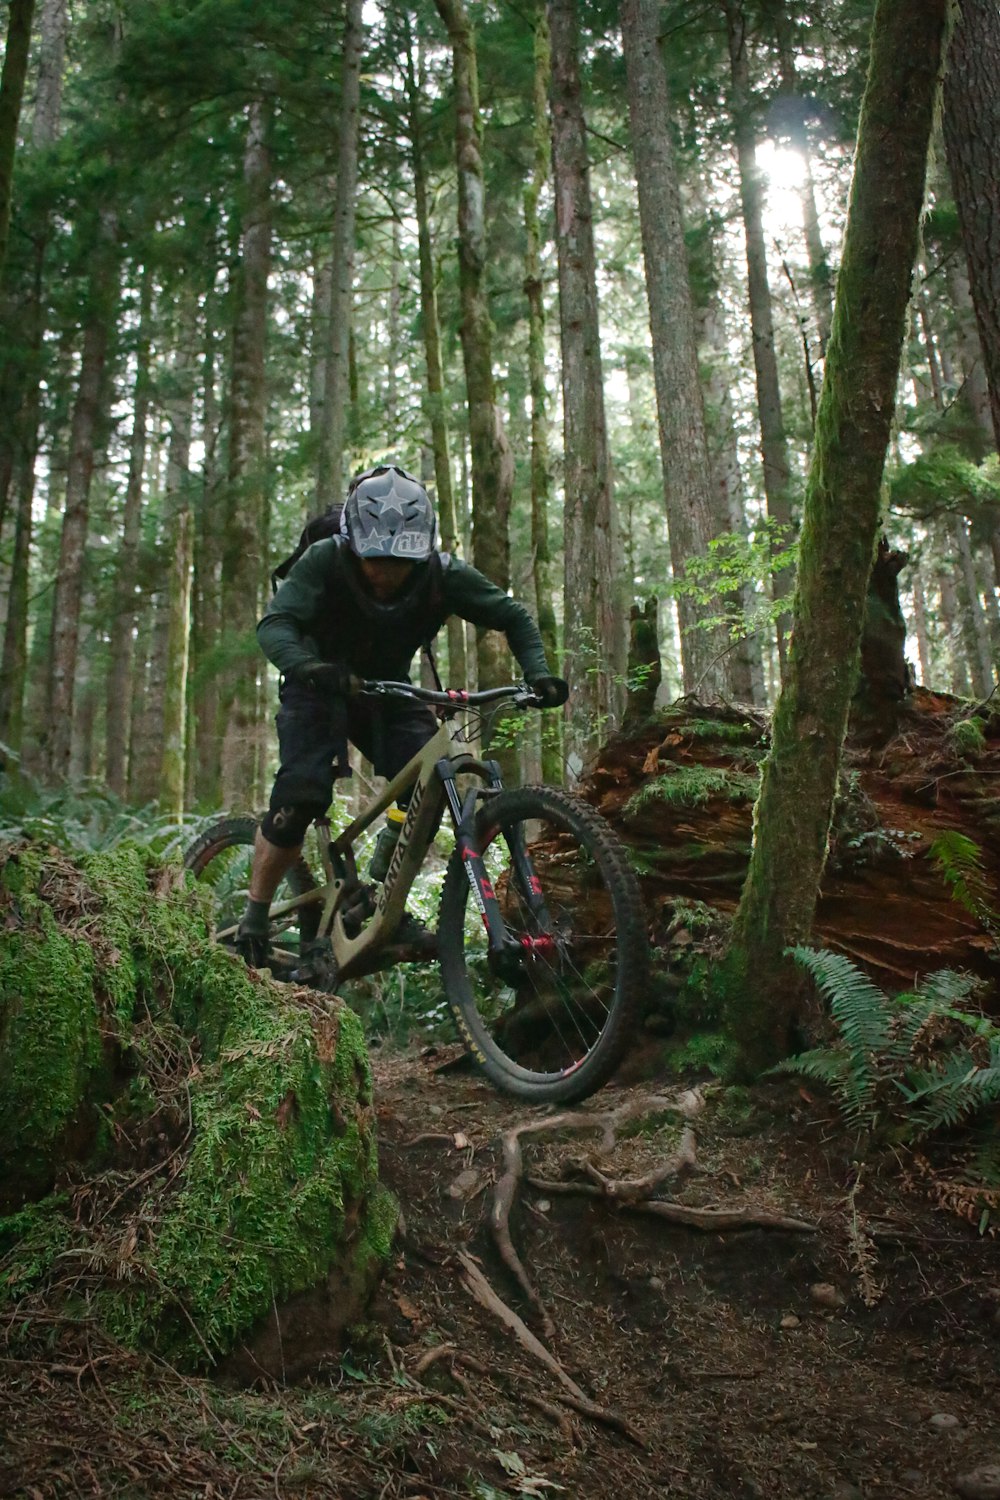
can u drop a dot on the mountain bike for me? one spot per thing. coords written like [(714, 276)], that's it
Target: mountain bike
[(541, 936)]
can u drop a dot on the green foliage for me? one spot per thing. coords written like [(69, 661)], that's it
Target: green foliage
[(700, 1052), (86, 818), (692, 786), (903, 1067), (946, 481), (732, 562), (960, 861)]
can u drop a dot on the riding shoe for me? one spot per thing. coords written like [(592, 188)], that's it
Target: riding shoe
[(253, 947)]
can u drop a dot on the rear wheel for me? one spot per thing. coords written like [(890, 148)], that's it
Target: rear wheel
[(222, 858), (550, 1019)]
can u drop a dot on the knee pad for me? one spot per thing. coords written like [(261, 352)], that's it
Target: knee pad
[(285, 827)]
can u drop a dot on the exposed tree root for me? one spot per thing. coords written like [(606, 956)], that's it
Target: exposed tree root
[(682, 1213), (479, 1288), (687, 1105)]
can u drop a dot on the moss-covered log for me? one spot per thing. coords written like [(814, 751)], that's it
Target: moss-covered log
[(185, 1147), (680, 790)]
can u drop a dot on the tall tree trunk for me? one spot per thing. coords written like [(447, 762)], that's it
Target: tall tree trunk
[(972, 133), (773, 444), (15, 68), (101, 300), (974, 385), (244, 547), (435, 403), (793, 813), (179, 548), (975, 628), (595, 618), (24, 425), (920, 626), (330, 458), (687, 475), (207, 587), (492, 460), (745, 661), (544, 587), (119, 682)]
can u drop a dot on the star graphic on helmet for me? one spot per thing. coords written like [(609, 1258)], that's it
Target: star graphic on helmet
[(392, 503)]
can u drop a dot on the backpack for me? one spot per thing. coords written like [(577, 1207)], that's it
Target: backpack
[(316, 529)]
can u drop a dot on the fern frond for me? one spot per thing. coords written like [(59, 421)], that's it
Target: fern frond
[(861, 1011), (822, 1065), (946, 987), (942, 1097)]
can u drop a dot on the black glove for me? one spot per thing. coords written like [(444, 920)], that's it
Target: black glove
[(551, 692), (331, 678)]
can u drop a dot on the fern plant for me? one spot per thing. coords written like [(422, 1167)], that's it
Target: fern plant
[(909, 1065), (960, 861)]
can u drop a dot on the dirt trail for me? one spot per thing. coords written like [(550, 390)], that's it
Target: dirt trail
[(737, 1377)]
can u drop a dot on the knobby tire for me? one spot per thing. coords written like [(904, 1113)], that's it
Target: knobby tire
[(586, 1023)]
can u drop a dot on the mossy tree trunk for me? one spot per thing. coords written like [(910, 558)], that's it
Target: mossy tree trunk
[(793, 813)]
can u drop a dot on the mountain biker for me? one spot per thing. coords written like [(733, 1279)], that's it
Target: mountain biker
[(361, 604)]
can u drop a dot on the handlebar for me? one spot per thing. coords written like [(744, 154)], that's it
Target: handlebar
[(519, 694)]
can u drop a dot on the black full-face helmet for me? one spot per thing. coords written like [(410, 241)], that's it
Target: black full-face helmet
[(389, 514)]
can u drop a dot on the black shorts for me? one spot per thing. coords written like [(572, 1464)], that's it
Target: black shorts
[(311, 733)]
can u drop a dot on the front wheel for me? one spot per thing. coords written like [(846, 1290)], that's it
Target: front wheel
[(222, 858), (551, 1017)]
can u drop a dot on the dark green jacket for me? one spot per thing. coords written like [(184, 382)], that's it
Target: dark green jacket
[(322, 610)]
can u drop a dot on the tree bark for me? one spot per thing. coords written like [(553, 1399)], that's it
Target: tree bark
[(687, 475), (68, 596), (971, 132), (15, 69), (793, 813), (179, 548), (244, 547), (551, 746), (20, 447), (333, 429), (774, 447), (435, 405), (595, 618), (492, 460), (121, 650)]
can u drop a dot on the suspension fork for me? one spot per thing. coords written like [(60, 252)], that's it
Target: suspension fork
[(463, 812)]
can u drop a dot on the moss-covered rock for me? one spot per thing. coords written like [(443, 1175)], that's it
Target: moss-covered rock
[(210, 1133)]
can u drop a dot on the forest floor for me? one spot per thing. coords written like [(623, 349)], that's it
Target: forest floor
[(855, 1358)]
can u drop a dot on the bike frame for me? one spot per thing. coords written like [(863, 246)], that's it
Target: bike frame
[(430, 777)]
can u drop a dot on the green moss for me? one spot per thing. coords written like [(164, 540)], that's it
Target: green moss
[(741, 733), (278, 1182), (966, 739), (692, 786), (700, 1052)]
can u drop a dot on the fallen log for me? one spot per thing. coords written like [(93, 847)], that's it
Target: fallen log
[(680, 789)]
